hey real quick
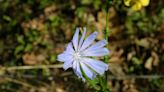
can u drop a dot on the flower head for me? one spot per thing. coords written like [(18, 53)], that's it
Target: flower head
[(136, 4), (78, 55)]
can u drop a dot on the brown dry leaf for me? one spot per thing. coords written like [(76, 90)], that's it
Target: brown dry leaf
[(148, 63), (101, 24), (116, 70), (115, 63), (147, 42), (59, 90), (116, 57), (43, 89), (132, 90), (50, 10), (114, 87), (130, 55), (59, 48), (117, 53), (90, 19), (112, 13), (152, 61), (114, 23), (116, 30), (37, 23), (67, 30), (143, 42), (129, 86), (2, 71), (155, 58), (32, 59)]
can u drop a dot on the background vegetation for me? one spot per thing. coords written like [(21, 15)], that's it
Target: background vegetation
[(33, 32)]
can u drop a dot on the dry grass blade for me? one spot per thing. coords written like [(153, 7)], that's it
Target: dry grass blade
[(32, 67)]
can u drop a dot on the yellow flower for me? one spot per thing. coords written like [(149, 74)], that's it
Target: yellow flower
[(136, 4)]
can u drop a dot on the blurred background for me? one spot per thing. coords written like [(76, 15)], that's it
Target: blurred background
[(34, 32)]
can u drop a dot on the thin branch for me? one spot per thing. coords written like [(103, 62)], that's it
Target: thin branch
[(110, 77), (18, 82), (136, 77), (31, 67)]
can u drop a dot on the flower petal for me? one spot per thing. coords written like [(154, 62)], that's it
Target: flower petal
[(96, 52), (97, 45), (82, 38), (88, 41), (127, 2), (75, 39), (69, 48), (96, 65), (76, 68), (64, 57), (68, 64), (137, 6), (145, 2), (88, 72)]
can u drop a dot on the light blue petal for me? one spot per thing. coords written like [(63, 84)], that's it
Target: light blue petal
[(75, 39), (82, 38), (96, 65), (96, 52), (77, 70), (88, 41), (69, 48), (97, 45), (64, 57), (89, 73), (68, 64)]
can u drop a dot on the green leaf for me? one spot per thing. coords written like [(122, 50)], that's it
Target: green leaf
[(18, 49), (28, 47)]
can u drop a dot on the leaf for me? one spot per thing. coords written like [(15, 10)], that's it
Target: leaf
[(7, 18), (32, 59), (52, 58), (136, 61), (28, 47), (29, 59), (148, 64), (143, 42), (155, 58), (18, 49)]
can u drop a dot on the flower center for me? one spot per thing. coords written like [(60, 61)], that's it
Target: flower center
[(76, 56)]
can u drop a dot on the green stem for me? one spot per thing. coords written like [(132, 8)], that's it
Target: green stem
[(103, 79), (106, 37), (107, 33), (107, 29), (106, 57), (103, 84)]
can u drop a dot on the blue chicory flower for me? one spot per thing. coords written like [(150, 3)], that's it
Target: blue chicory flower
[(78, 55)]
